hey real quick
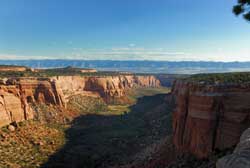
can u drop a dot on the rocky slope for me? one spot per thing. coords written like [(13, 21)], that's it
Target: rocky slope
[(209, 117), (241, 156), (16, 94)]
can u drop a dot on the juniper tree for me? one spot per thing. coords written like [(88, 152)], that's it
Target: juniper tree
[(242, 8)]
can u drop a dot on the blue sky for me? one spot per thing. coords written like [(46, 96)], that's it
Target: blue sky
[(123, 30)]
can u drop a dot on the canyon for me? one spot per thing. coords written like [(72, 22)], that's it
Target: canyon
[(18, 94), (209, 117)]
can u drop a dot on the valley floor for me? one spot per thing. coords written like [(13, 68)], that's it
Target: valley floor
[(101, 137)]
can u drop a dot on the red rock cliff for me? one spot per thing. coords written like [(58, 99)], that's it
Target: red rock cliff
[(209, 117), (107, 87), (16, 94), (13, 68)]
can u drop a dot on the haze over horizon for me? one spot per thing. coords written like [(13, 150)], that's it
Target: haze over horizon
[(166, 30)]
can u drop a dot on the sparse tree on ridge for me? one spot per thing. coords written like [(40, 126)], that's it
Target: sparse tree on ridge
[(242, 8)]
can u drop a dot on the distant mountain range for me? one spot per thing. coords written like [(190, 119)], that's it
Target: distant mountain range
[(183, 67)]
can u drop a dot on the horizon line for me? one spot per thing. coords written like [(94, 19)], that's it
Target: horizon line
[(53, 59)]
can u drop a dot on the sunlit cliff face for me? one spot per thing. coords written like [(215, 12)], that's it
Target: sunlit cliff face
[(17, 94), (209, 116)]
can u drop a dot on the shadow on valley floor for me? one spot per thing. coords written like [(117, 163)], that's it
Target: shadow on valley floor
[(100, 141)]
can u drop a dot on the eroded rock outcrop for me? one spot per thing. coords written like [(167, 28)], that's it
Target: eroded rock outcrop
[(17, 94), (241, 155), (5, 68), (110, 88), (209, 117)]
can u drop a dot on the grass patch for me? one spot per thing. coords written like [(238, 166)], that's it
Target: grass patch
[(136, 93), (30, 145), (117, 109), (87, 104)]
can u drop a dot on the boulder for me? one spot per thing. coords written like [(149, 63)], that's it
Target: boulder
[(11, 128), (241, 155)]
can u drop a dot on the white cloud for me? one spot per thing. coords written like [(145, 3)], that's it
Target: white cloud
[(142, 54), (128, 54), (120, 49), (21, 57)]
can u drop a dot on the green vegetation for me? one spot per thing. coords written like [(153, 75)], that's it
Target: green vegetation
[(12, 66), (114, 136), (117, 110), (89, 133), (52, 115), (135, 94), (71, 71), (242, 8), (140, 92), (221, 78), (30, 145), (87, 104), (68, 71)]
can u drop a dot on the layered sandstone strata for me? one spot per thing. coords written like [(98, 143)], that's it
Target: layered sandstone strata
[(17, 94), (88, 70), (209, 117), (13, 68), (107, 87)]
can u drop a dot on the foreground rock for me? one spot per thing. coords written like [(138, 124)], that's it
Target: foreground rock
[(241, 156), (11, 128), (209, 117)]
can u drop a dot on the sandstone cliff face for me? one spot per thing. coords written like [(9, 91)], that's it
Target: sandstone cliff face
[(107, 87), (16, 94), (209, 117), (13, 68), (10, 108)]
